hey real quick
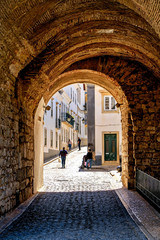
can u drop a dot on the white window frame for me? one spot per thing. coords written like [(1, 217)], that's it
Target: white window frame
[(51, 108), (110, 98)]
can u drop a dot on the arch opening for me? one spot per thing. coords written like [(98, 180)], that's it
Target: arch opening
[(122, 42), (109, 84), (123, 79)]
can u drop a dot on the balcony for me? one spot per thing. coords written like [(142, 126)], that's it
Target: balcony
[(66, 117), (58, 123), (85, 107)]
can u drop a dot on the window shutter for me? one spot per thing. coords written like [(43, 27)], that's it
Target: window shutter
[(106, 103), (45, 137), (113, 103)]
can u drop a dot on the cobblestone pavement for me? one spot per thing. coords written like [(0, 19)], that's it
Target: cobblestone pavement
[(73, 205)]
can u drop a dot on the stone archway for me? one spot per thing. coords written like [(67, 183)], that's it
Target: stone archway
[(43, 39), (123, 79), (98, 78), (128, 103)]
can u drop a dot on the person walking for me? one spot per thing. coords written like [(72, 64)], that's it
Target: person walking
[(79, 143), (69, 144), (63, 154), (89, 159)]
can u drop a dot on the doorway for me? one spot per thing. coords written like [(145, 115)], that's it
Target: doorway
[(111, 148)]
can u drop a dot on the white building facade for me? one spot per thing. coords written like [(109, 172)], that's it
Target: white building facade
[(108, 131), (104, 126), (64, 120)]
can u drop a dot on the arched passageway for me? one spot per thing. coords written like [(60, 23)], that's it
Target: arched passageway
[(93, 77), (48, 43)]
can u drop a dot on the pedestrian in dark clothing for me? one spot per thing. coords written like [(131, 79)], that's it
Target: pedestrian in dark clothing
[(79, 143), (63, 154), (89, 159)]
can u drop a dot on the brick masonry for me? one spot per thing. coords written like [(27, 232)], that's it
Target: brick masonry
[(40, 40)]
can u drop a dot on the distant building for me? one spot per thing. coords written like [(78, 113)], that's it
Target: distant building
[(65, 120), (104, 126)]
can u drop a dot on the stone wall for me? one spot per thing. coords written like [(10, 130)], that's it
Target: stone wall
[(16, 147), (40, 40), (140, 123), (9, 143)]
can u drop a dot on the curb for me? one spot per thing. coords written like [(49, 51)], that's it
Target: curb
[(119, 192), (9, 218)]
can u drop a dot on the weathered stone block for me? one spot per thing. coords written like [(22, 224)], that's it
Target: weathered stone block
[(29, 172), (21, 174)]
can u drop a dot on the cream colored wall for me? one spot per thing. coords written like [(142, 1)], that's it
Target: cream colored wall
[(67, 128), (84, 142), (105, 122), (38, 147)]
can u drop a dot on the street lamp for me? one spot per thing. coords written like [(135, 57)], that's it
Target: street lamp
[(47, 108), (83, 120)]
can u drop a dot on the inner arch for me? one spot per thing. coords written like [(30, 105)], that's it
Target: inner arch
[(86, 76)]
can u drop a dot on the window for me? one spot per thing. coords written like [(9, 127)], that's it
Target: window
[(56, 120), (80, 126), (106, 103), (109, 103), (56, 140), (113, 103), (45, 137), (51, 136), (66, 135), (51, 108), (59, 111), (62, 106), (79, 95), (62, 134), (85, 130)]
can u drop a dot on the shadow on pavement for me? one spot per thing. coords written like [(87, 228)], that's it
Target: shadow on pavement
[(73, 216)]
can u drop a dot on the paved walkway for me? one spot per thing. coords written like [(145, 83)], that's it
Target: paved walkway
[(82, 204)]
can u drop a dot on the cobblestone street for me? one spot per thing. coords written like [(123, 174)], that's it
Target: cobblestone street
[(74, 204)]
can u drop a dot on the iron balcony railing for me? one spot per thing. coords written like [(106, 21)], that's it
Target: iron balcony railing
[(66, 117), (58, 123), (85, 107), (149, 186)]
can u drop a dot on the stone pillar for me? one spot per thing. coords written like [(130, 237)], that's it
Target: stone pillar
[(38, 147)]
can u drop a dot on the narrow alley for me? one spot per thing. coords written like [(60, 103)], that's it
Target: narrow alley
[(74, 204)]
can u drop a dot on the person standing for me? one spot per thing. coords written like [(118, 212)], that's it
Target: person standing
[(79, 143), (63, 154), (89, 159), (69, 144)]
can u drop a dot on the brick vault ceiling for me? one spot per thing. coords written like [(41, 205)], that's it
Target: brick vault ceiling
[(44, 38), (127, 28)]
